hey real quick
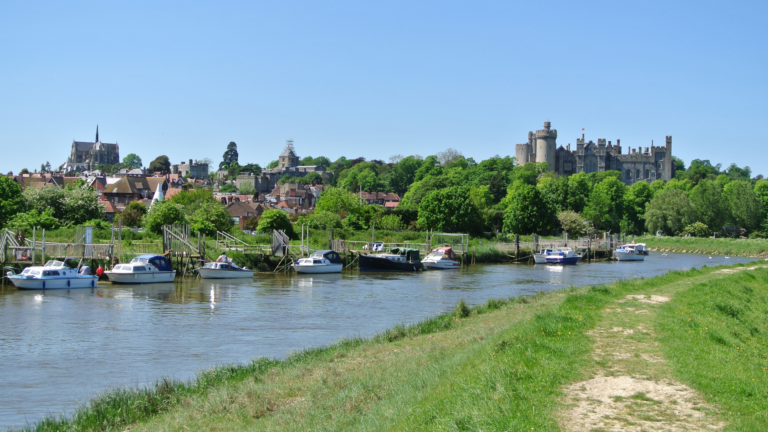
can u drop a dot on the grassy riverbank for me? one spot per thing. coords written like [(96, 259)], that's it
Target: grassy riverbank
[(757, 248), (504, 365)]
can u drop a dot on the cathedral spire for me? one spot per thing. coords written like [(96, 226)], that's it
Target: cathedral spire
[(97, 133)]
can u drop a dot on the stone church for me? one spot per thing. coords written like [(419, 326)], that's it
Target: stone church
[(649, 164), (87, 156), (288, 163)]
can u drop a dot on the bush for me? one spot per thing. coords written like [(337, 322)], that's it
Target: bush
[(461, 310), (99, 224), (697, 229), (263, 267)]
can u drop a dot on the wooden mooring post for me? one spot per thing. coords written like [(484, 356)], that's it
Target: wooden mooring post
[(517, 246)]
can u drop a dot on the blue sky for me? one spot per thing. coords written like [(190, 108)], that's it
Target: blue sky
[(375, 79)]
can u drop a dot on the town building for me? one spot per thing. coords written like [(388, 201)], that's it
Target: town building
[(125, 190), (288, 164), (242, 212), (648, 164), (194, 169), (86, 156), (385, 199)]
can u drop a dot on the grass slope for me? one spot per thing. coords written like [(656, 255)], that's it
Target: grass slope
[(499, 366), (720, 246), (714, 334)]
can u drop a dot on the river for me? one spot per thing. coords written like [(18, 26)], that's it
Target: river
[(60, 348)]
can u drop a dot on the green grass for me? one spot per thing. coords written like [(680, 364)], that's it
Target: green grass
[(714, 335), (720, 246)]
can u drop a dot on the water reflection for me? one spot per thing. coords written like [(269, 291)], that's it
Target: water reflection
[(73, 344)]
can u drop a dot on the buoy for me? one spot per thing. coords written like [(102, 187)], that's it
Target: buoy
[(99, 271)]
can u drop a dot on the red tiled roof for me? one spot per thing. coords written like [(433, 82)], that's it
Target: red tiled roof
[(109, 207)]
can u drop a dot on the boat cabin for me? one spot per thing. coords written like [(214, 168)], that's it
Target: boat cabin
[(443, 252), (409, 255)]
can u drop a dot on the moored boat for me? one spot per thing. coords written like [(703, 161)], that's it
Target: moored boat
[(52, 275), (564, 255), (143, 269), (441, 258), (396, 260), (629, 252), (541, 257), (223, 270), (322, 261)]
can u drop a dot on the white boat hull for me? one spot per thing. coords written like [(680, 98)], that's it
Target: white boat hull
[(622, 256), (141, 278), (318, 269), (224, 274), (441, 265), (540, 258), (22, 282)]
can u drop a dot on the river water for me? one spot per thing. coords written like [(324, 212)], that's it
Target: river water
[(60, 348)]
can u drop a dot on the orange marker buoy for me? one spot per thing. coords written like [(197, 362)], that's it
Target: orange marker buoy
[(99, 271)]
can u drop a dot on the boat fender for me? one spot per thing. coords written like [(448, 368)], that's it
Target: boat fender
[(93, 283), (68, 284), (43, 284)]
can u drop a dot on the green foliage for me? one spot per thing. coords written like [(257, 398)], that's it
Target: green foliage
[(573, 223), (637, 197), (323, 220), (230, 156), (711, 208), (31, 219), (390, 222), (132, 161), (746, 208), (403, 175), (99, 224), (228, 188), (11, 200), (273, 164), (164, 213), (526, 212), (606, 204), (418, 190), (313, 177), (210, 217), (160, 164), (133, 215), (275, 219), (670, 211), (337, 200), (69, 206), (252, 168), (429, 168), (696, 229), (578, 192), (449, 210)]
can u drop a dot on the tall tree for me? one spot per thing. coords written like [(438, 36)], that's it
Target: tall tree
[(161, 164), (449, 210), (605, 208), (635, 200), (745, 206), (230, 156), (132, 161), (669, 211), (11, 200), (711, 208), (525, 209)]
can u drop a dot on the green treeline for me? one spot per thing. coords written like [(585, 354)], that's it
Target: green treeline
[(448, 193)]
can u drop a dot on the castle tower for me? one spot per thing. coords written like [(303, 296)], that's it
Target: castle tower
[(288, 158), (668, 165), (546, 144)]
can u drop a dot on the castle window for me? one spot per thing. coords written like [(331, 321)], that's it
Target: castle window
[(628, 174), (639, 174), (653, 175), (647, 174)]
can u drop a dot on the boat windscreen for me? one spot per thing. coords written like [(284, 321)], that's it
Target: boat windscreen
[(161, 263)]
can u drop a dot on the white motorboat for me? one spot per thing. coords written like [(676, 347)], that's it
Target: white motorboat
[(322, 261), (223, 270), (143, 269), (641, 249), (563, 255), (629, 252), (541, 257), (441, 258), (52, 275)]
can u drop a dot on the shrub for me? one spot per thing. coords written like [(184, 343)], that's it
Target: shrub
[(461, 310), (697, 229)]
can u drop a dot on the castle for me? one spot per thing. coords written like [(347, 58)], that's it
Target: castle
[(87, 156), (652, 163), (288, 163)]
